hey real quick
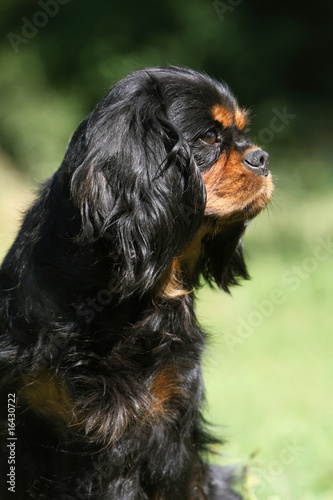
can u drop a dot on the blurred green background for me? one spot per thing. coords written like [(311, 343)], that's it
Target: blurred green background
[(269, 366)]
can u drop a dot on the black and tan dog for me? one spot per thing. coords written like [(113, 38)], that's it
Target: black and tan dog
[(100, 346)]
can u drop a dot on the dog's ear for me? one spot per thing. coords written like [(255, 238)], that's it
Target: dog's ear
[(223, 259), (135, 181)]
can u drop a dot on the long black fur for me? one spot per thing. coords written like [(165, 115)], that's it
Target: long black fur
[(82, 313)]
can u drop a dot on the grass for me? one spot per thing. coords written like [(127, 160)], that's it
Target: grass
[(268, 368)]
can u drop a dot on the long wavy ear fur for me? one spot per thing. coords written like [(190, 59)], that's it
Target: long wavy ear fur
[(222, 260), (133, 177)]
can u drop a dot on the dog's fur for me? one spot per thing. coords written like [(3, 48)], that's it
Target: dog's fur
[(100, 345)]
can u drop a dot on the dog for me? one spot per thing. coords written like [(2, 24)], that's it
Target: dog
[(101, 381)]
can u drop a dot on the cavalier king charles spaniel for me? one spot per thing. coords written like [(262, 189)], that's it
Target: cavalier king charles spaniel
[(100, 363)]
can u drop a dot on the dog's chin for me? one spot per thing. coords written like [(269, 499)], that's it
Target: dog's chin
[(227, 211), (260, 200)]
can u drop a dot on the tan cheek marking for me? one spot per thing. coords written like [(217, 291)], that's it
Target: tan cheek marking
[(232, 188), (222, 115), (222, 185), (47, 395)]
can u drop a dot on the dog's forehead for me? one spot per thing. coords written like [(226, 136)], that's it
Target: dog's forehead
[(210, 99), (228, 116), (227, 111)]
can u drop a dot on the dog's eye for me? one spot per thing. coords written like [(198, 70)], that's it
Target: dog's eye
[(211, 137)]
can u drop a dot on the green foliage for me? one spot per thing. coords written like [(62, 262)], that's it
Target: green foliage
[(60, 56)]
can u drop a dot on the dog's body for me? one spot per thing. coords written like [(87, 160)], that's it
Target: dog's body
[(100, 346)]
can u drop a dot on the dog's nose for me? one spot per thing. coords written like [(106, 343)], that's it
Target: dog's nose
[(257, 160)]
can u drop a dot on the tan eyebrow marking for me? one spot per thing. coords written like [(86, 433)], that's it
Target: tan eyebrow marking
[(241, 118), (227, 118), (222, 115)]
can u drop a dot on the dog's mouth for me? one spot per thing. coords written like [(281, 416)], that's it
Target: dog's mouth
[(238, 187), (260, 199)]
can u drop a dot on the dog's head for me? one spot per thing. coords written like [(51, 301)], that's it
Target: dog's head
[(164, 175)]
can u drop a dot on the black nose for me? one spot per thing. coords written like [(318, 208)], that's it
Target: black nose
[(257, 160)]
